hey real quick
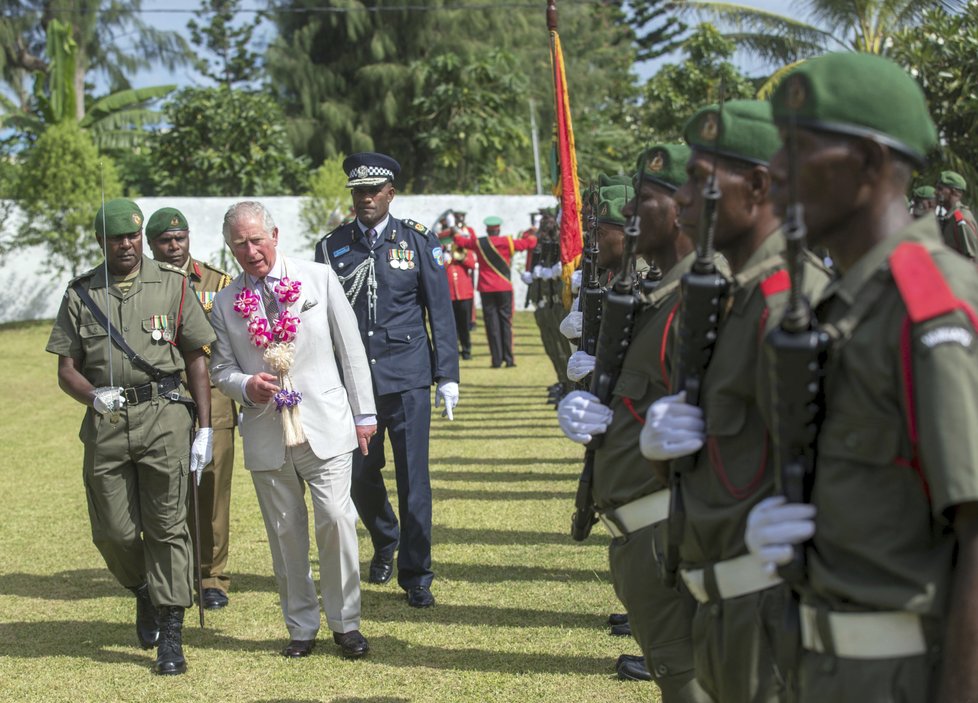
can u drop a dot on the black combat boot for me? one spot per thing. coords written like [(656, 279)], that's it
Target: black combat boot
[(169, 655), (147, 619)]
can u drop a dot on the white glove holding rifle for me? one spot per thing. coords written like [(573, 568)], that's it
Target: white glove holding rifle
[(108, 399), (201, 452), (774, 527)]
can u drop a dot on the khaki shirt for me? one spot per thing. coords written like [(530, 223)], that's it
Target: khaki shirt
[(879, 542), (206, 281), (621, 473), (159, 300), (735, 469), (961, 236)]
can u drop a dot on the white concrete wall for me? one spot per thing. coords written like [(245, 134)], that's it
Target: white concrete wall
[(29, 293)]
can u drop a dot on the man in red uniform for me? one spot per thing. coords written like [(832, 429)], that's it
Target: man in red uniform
[(494, 253), (459, 265)]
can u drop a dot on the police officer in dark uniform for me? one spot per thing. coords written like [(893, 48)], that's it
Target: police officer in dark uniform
[(393, 274)]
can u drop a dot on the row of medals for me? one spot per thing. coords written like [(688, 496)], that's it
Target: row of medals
[(400, 259), (161, 328)]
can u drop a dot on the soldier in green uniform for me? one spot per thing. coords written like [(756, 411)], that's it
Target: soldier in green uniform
[(958, 226), (136, 431), (888, 609), (740, 605), (631, 499), (168, 234), (923, 202)]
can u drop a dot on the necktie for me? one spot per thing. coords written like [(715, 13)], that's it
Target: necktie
[(269, 301), (372, 237)]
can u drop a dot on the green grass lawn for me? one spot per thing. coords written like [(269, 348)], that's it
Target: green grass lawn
[(521, 607)]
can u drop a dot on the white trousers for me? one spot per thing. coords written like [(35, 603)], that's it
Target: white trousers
[(281, 497)]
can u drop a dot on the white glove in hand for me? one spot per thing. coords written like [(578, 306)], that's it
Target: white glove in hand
[(108, 399), (579, 365), (576, 279), (526, 277), (774, 526), (546, 273), (673, 428), (570, 326), (202, 451), (580, 416), (447, 391), (557, 270), (538, 271)]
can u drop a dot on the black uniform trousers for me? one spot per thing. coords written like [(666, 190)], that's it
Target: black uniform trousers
[(463, 316), (497, 311), (406, 417)]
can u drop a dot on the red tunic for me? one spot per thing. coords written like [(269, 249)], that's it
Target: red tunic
[(489, 279), (460, 277)]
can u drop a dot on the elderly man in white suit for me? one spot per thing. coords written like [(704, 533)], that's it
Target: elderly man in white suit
[(302, 418)]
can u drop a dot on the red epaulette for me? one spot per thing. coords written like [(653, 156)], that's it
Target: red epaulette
[(774, 283), (958, 216)]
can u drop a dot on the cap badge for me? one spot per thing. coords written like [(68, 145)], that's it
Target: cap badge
[(361, 172), (797, 93), (175, 221), (136, 219), (710, 127), (604, 209), (658, 162)]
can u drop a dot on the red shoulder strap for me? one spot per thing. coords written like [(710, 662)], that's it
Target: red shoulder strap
[(777, 282), (958, 216)]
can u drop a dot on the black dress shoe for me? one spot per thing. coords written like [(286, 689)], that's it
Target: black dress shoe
[(298, 648), (510, 364), (147, 618), (623, 630), (352, 644), (632, 668), (466, 355), (381, 569), (420, 597), (617, 619), (215, 598), (169, 654)]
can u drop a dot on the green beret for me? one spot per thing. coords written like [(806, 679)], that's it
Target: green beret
[(167, 219), (118, 217), (860, 95), (665, 165), (611, 201), (605, 180), (953, 179), (924, 193), (493, 221), (459, 212), (744, 131)]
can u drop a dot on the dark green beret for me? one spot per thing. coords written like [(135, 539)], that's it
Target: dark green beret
[(611, 201), (167, 219), (665, 165), (604, 180), (924, 192), (860, 95), (118, 217), (953, 179), (493, 221), (744, 131), (459, 212)]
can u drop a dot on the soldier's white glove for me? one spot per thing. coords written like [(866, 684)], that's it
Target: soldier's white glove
[(576, 279), (526, 277), (202, 451), (546, 273), (580, 416), (571, 325), (673, 428), (557, 270), (579, 365), (447, 391), (108, 399), (774, 526), (538, 271)]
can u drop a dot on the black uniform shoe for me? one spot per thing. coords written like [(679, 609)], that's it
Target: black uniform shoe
[(381, 569), (617, 619), (466, 355), (352, 644), (623, 630), (632, 668), (298, 648), (215, 598), (420, 597), (169, 655), (147, 618)]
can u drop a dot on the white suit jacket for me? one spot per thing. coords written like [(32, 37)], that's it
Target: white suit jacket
[(327, 335)]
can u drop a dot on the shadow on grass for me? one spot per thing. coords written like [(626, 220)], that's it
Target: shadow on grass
[(467, 535), (80, 584), (481, 573), (502, 476), (501, 461), (73, 638), (464, 434), (486, 494)]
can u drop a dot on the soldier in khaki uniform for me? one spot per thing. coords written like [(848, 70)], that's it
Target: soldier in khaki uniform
[(888, 606), (168, 235), (741, 606), (136, 432), (958, 227), (632, 500)]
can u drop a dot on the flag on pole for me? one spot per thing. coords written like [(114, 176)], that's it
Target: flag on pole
[(566, 186)]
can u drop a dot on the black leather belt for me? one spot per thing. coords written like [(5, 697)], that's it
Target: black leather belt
[(140, 394)]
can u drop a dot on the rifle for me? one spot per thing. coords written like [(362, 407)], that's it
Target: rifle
[(617, 318), (797, 350), (592, 293), (704, 290)]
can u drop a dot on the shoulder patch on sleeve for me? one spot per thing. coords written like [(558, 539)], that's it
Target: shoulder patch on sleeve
[(950, 334), (417, 226)]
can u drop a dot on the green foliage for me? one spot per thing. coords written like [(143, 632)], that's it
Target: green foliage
[(942, 53), (328, 198), (678, 90), (59, 191), (225, 142), (236, 65), (658, 29)]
